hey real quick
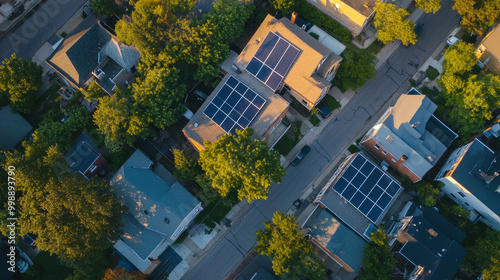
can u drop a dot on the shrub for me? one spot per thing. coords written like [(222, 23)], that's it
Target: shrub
[(432, 73), (181, 237), (331, 102), (353, 149), (314, 35)]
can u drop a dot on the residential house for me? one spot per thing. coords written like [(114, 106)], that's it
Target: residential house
[(84, 157), (470, 177), (488, 52), (15, 126), (353, 14), (279, 55), (159, 210), (94, 54), (408, 137), (428, 246), (350, 206), (7, 7)]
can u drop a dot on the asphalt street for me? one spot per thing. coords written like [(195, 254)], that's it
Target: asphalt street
[(26, 38), (239, 240)]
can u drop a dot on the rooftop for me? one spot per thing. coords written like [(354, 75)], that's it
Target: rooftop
[(201, 128), (87, 47), (141, 240), (477, 158), (16, 126), (409, 128), (82, 154), (338, 238), (302, 76), (149, 199), (492, 42), (426, 245)]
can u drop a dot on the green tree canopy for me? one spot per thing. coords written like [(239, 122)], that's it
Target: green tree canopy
[(355, 69), (94, 92), (478, 15), (293, 256), (20, 79), (429, 6), (459, 59), (484, 255), (241, 163), (103, 7), (186, 166), (158, 98), (391, 24), (285, 6), (378, 262), (116, 120), (121, 273), (73, 218)]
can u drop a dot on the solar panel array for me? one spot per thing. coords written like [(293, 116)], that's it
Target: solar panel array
[(366, 187), (234, 106), (273, 59)]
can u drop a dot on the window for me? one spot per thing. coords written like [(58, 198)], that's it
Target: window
[(466, 203), (394, 160), (453, 195), (304, 102), (389, 139), (384, 152), (461, 194), (376, 146)]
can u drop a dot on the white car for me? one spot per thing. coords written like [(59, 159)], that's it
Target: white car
[(452, 40)]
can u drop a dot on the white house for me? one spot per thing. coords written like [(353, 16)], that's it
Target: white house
[(470, 176)]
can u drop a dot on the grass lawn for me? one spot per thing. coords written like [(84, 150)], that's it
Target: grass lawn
[(314, 120), (212, 214), (47, 267), (331, 102), (286, 144), (51, 93), (353, 149)]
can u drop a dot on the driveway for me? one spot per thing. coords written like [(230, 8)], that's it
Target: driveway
[(239, 240)]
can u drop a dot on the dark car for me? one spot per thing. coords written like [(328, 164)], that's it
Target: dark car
[(324, 111), (303, 152), (86, 11)]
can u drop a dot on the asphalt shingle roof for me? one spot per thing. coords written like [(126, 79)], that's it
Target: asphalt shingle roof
[(15, 126)]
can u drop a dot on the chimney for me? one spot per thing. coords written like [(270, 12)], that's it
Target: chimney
[(294, 17), (403, 158), (367, 5), (488, 178)]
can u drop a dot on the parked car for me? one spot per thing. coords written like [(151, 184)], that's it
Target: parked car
[(418, 28), (298, 158), (86, 11), (201, 96), (451, 40), (323, 110)]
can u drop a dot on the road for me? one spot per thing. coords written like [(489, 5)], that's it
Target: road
[(37, 28), (240, 239)]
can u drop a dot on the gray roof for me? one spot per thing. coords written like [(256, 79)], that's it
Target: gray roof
[(415, 132), (84, 153), (81, 52), (440, 255), (140, 239), (154, 204), (263, 274), (479, 157), (338, 238), (14, 126)]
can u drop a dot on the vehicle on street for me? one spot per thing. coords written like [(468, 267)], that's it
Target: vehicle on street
[(323, 110), (451, 40), (86, 11), (303, 152)]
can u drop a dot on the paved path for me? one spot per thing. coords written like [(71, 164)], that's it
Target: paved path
[(339, 133)]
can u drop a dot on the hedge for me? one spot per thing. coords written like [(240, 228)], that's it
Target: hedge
[(323, 21)]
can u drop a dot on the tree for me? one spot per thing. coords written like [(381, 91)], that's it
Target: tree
[(159, 97), (429, 6), (20, 79), (427, 192), (355, 69), (94, 92), (285, 6), (492, 272), (477, 16), (459, 59), (293, 256), (378, 262), (73, 218), (186, 166), (391, 24), (121, 273), (116, 120), (484, 255), (241, 163), (103, 7)]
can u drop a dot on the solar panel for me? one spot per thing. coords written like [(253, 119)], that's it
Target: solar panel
[(366, 187), (234, 106), (273, 60)]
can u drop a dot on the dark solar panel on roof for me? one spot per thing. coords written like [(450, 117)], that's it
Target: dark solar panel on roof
[(366, 187), (273, 60), (234, 106)]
